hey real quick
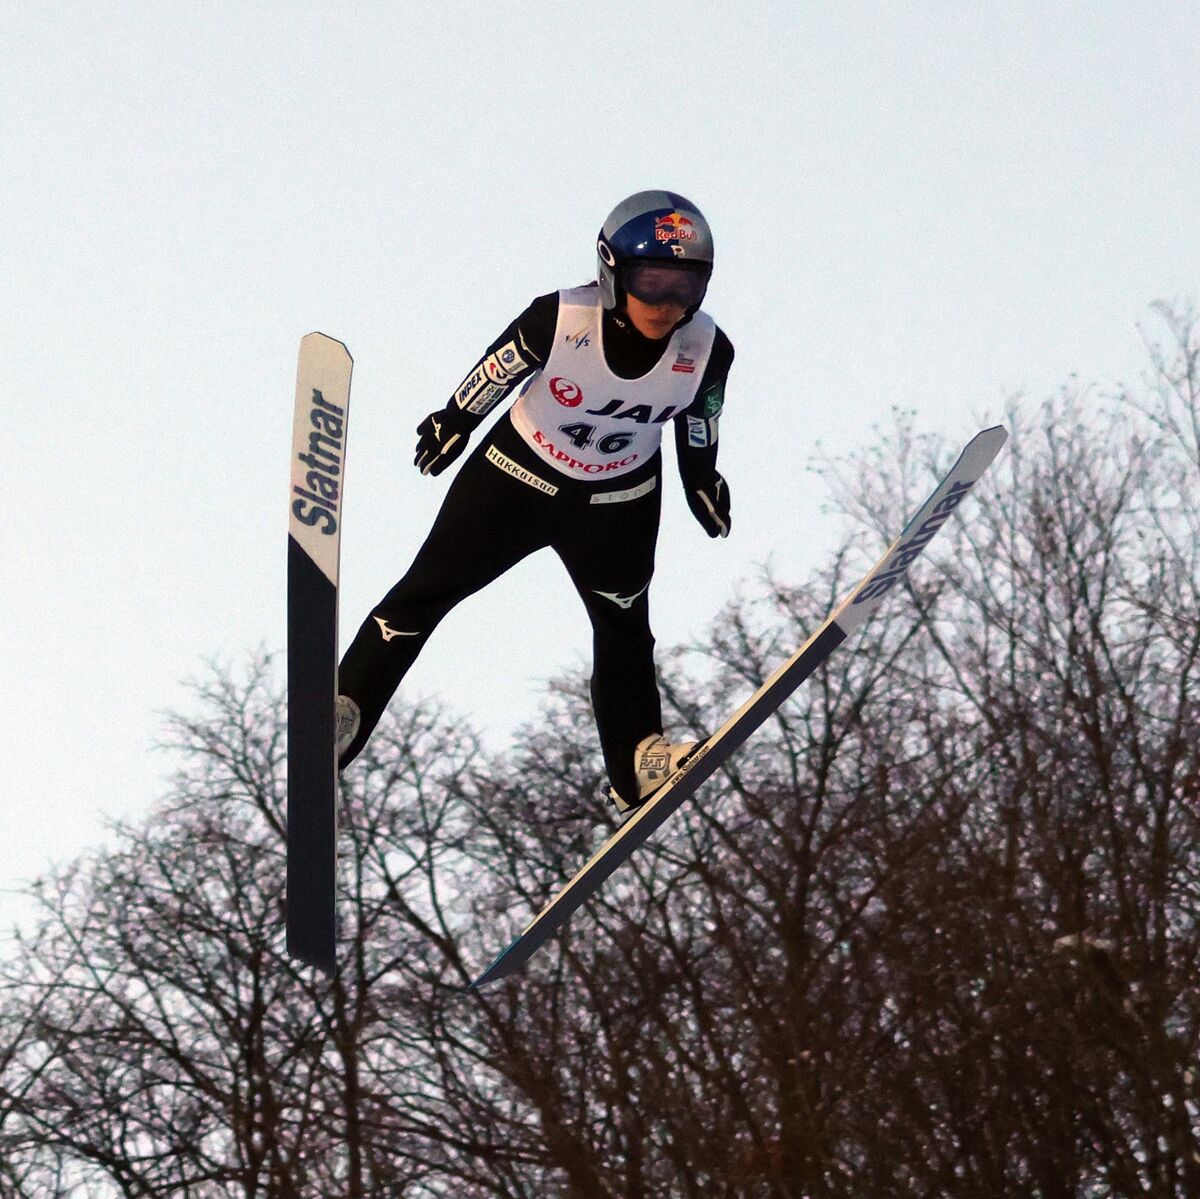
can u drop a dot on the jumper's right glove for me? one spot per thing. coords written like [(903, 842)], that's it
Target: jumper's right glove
[(710, 506), (441, 437)]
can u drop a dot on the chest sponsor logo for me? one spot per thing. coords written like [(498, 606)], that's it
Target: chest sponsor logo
[(579, 340), (643, 414), (567, 393), (684, 366)]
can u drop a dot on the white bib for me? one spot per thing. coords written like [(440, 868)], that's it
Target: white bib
[(587, 422)]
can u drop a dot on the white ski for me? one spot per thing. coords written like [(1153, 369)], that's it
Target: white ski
[(318, 474), (849, 616)]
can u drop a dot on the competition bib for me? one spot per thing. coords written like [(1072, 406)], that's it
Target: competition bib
[(587, 422)]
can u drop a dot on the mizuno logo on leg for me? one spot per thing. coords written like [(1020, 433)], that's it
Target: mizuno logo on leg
[(622, 601), (388, 634)]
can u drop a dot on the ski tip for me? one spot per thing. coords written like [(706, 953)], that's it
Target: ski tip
[(979, 453), (993, 435), (998, 433), (309, 338)]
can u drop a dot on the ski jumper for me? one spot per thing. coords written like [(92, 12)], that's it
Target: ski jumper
[(574, 466)]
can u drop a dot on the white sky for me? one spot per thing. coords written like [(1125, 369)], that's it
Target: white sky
[(926, 205)]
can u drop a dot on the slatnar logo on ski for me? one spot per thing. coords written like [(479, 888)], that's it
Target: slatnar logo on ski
[(910, 549), (317, 503)]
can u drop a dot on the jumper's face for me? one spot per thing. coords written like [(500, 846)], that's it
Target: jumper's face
[(654, 321)]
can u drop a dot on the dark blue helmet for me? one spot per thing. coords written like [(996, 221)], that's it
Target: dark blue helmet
[(659, 228)]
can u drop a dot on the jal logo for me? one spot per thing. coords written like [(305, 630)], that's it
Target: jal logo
[(568, 394), (579, 340)]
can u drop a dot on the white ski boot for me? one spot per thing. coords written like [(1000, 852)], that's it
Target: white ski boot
[(346, 720), (656, 760)]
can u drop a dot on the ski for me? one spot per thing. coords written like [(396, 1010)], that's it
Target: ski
[(314, 542), (844, 620)]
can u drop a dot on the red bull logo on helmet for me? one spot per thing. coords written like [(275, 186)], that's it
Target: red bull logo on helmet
[(675, 227)]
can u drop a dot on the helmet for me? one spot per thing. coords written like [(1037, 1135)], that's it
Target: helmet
[(658, 246)]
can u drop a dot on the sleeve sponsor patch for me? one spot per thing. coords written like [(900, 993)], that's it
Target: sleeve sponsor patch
[(701, 433), (505, 364), (714, 400), (470, 387), (486, 398), (491, 379)]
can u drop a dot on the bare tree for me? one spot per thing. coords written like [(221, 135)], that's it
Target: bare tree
[(932, 932)]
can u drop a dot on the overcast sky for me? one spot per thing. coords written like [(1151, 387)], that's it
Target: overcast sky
[(926, 205)]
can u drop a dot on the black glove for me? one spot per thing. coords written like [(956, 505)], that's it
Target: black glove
[(710, 506), (441, 437)]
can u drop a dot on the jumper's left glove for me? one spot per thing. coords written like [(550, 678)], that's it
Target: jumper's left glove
[(710, 506), (441, 437)]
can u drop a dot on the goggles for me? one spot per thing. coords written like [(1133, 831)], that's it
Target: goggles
[(667, 282)]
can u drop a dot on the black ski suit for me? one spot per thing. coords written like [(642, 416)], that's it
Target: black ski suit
[(499, 509)]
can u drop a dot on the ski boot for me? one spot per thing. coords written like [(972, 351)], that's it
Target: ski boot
[(346, 720), (657, 759)]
